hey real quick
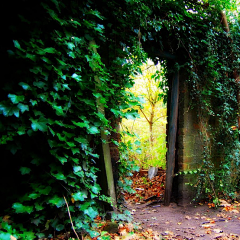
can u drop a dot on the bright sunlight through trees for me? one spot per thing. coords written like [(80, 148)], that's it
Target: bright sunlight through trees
[(149, 129)]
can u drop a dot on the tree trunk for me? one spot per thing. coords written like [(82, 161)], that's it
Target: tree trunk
[(151, 125), (105, 144)]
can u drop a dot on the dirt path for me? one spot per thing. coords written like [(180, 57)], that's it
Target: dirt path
[(190, 222), (175, 222)]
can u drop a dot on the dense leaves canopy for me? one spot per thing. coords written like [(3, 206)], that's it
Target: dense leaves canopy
[(49, 120)]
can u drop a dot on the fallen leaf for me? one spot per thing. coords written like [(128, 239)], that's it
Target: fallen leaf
[(123, 231), (224, 203), (211, 205), (217, 230), (234, 211), (187, 217), (208, 225), (168, 233), (208, 232)]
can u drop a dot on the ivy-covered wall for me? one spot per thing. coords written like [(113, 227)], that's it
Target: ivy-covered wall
[(50, 121)]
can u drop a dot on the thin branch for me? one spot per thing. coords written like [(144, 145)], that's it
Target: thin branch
[(71, 218), (148, 67), (159, 118), (144, 115)]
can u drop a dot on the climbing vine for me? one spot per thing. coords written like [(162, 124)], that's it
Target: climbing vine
[(49, 120), (50, 125), (215, 89)]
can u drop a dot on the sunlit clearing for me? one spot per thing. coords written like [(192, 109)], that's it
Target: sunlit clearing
[(149, 141)]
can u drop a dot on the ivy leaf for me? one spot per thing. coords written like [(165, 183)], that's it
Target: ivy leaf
[(50, 50), (75, 150), (61, 138), (33, 102), (5, 236), (36, 221), (15, 99), (86, 204), (81, 140), (44, 191), (59, 176), (65, 86), (59, 110), (78, 171), (9, 110), (80, 124), (25, 170), (96, 188), (25, 86), (5, 225), (33, 195), (77, 168), (80, 196), (76, 77), (47, 60), (31, 56), (70, 45), (16, 44), (21, 130), (91, 212), (52, 132), (93, 130), (39, 84), (72, 54), (138, 143), (131, 115), (23, 107), (39, 124), (29, 235), (59, 227), (19, 208), (38, 207), (71, 144), (59, 202), (96, 13), (75, 160), (62, 160)]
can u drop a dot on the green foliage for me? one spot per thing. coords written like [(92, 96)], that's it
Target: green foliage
[(49, 117), (214, 93), (49, 122), (148, 146), (140, 149)]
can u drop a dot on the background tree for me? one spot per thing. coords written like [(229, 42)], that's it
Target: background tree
[(150, 87)]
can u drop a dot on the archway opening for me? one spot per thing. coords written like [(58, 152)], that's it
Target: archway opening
[(146, 135)]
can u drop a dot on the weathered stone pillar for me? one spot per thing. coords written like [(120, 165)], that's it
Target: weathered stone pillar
[(190, 145)]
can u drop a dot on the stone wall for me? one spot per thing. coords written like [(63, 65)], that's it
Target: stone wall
[(189, 145)]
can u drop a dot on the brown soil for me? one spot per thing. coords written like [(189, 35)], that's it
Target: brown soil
[(190, 222), (176, 222)]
